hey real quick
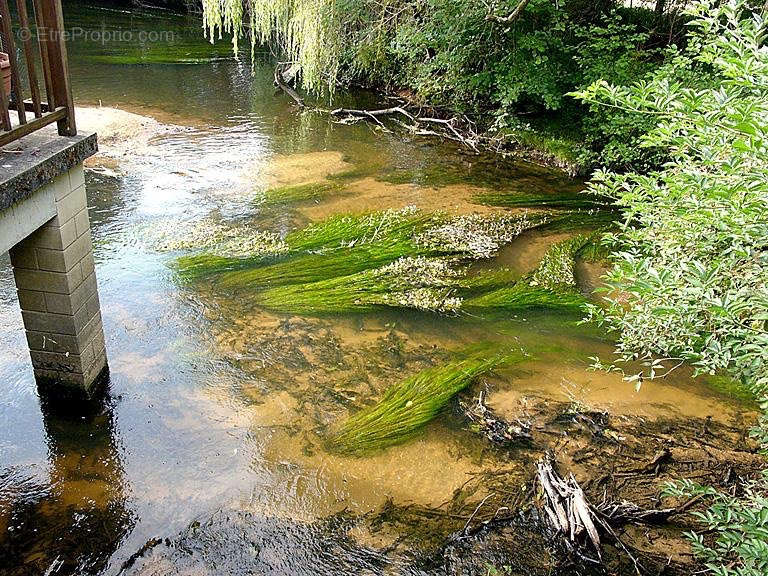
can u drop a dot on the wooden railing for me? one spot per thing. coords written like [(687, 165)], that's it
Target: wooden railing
[(39, 42)]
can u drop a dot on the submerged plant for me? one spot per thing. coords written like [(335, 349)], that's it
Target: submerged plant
[(409, 282), (300, 193), (521, 295), (408, 406), (216, 238), (347, 244), (347, 230), (476, 236), (394, 258), (557, 269), (551, 285), (570, 200)]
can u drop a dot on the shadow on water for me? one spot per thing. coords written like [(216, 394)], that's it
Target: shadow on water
[(74, 520)]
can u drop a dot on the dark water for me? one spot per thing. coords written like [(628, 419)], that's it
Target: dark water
[(206, 456)]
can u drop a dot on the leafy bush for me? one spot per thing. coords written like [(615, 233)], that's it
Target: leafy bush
[(690, 275)]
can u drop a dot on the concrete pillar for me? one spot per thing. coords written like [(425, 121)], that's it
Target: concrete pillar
[(56, 282)]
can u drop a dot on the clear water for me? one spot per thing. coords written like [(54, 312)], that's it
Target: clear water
[(207, 456)]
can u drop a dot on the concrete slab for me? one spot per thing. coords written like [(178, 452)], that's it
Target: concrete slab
[(28, 164)]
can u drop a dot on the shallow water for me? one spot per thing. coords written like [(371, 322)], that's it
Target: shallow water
[(208, 454)]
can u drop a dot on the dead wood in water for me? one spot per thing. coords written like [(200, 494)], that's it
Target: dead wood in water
[(496, 429), (418, 125), (581, 523), (280, 83), (566, 506)]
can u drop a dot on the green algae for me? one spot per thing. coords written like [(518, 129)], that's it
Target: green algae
[(409, 405)]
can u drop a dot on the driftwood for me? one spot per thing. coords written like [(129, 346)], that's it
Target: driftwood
[(459, 130), (567, 507), (280, 83), (497, 430), (416, 124), (582, 523)]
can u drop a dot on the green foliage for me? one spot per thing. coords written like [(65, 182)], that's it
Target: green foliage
[(739, 526), (406, 407), (614, 51), (691, 254), (466, 57), (690, 274), (304, 31)]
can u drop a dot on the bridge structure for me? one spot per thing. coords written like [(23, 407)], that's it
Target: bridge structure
[(44, 221)]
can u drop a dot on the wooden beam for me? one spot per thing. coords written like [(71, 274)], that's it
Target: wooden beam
[(20, 131), (29, 54), (53, 19)]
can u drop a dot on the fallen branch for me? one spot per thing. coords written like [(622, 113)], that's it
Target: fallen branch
[(467, 136), (285, 87), (566, 506), (496, 429), (372, 113)]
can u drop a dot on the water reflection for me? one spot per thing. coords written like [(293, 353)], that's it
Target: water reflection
[(70, 518)]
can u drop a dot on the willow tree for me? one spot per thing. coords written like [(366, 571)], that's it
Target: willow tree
[(313, 34)]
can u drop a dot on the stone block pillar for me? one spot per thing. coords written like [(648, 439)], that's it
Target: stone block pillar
[(54, 272)]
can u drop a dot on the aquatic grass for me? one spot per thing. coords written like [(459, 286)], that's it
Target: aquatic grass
[(569, 200), (235, 241), (592, 219), (338, 246), (551, 285), (556, 271), (420, 283), (478, 237), (521, 296), (345, 230), (394, 258), (408, 406), (300, 194), (594, 250), (305, 268)]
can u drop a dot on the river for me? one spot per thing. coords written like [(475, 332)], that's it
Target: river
[(208, 454)]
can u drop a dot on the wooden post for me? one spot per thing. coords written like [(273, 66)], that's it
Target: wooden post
[(9, 46), (26, 34), (54, 40)]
